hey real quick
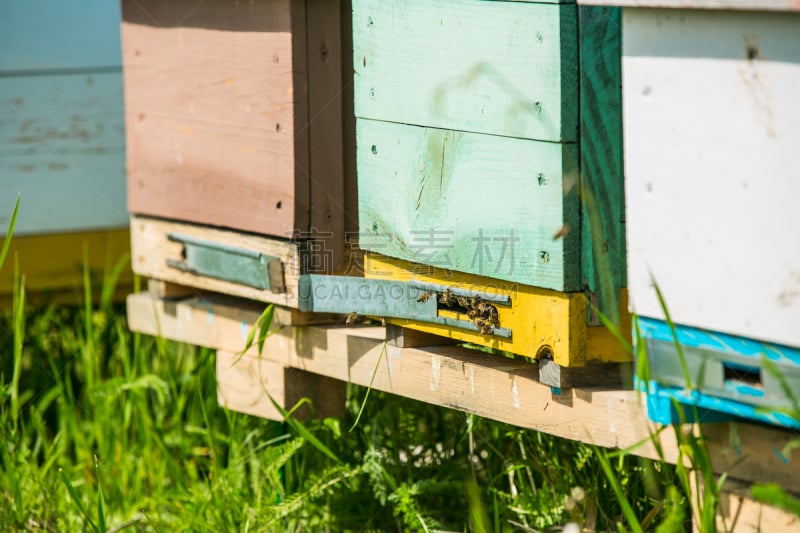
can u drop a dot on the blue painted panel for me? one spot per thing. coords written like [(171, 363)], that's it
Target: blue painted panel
[(721, 342), (661, 408), (62, 145), (58, 34)]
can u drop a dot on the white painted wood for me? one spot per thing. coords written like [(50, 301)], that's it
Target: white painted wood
[(712, 165), (759, 5)]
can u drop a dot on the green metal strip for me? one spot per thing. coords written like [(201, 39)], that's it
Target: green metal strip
[(228, 263)]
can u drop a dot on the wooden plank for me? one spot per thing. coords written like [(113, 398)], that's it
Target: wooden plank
[(758, 5), (54, 35), (54, 263), (246, 384), (168, 291), (216, 109), (151, 249), (326, 172), (603, 205), (488, 67), (62, 147), (541, 321), (411, 338), (494, 387), (474, 203), (216, 321), (348, 131), (726, 155), (743, 513)]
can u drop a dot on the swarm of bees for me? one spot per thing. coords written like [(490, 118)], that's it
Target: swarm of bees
[(483, 314)]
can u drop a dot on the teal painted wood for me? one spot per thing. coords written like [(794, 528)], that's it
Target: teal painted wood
[(62, 146), (55, 35), (504, 68), (603, 204), (475, 203)]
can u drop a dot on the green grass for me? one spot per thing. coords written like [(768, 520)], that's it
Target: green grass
[(103, 429)]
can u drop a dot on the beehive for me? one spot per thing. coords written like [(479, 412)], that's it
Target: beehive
[(62, 143), (234, 120), (711, 129), (488, 143)]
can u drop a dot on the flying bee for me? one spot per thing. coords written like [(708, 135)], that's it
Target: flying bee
[(424, 297), (352, 318), (561, 232)]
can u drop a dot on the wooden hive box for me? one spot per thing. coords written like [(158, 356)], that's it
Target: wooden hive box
[(234, 120), (712, 126), (489, 144), (62, 145)]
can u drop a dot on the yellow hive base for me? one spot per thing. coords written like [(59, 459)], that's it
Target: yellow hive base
[(53, 264), (540, 319)]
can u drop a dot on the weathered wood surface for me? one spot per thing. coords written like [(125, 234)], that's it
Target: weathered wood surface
[(481, 204), (742, 513), (486, 67), (602, 186), (539, 319), (62, 147), (494, 387), (151, 249), (711, 135), (758, 5), (234, 114), (62, 136), (52, 35), (53, 264), (245, 384)]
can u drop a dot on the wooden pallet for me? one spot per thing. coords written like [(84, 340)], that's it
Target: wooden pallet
[(490, 386)]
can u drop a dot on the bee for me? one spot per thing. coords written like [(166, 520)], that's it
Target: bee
[(472, 313), (487, 329), (484, 326), (352, 318), (446, 298), (424, 297), (561, 232), (463, 302), (383, 321)]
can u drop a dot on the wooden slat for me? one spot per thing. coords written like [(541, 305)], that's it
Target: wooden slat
[(246, 384), (216, 111), (488, 67), (62, 147), (473, 203), (54, 263), (489, 386), (758, 5), (603, 205), (151, 249), (326, 171), (216, 321), (727, 155)]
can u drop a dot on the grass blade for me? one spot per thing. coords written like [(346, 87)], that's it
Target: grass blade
[(9, 233), (78, 503), (369, 388)]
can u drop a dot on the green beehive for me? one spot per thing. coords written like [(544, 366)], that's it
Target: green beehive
[(488, 139)]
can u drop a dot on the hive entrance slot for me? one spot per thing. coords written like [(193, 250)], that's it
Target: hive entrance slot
[(746, 375)]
